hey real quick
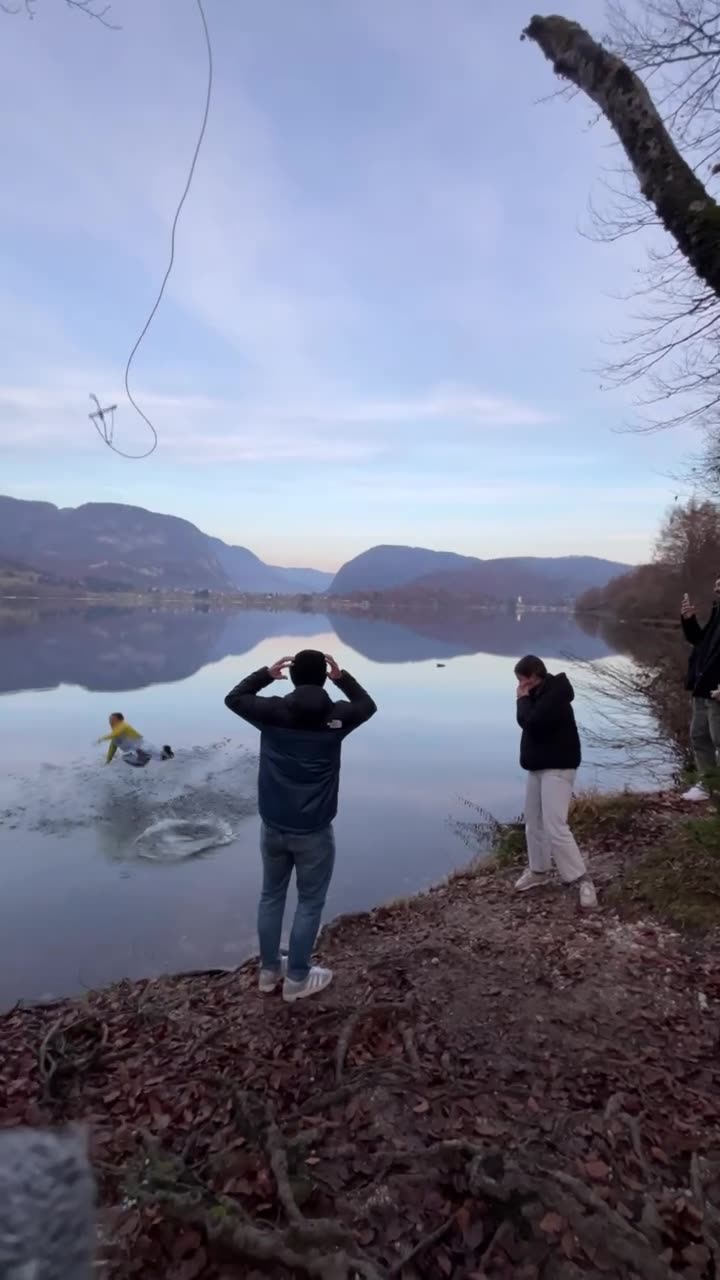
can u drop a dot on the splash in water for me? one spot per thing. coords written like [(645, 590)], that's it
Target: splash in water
[(167, 812), (173, 838)]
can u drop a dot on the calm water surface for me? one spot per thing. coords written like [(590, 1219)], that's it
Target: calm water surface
[(79, 907)]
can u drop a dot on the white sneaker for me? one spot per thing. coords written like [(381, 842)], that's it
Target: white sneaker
[(531, 880), (696, 794), (317, 980), (270, 979), (588, 895)]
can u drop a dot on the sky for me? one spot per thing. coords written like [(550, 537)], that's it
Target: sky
[(383, 324)]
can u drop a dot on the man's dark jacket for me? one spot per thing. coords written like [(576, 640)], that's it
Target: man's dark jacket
[(703, 675), (301, 737), (550, 739)]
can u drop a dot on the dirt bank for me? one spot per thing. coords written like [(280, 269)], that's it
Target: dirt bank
[(494, 1086)]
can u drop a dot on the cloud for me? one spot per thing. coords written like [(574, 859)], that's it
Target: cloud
[(201, 428), (407, 228), (378, 275), (505, 492)]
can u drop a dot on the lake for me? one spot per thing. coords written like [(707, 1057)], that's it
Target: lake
[(81, 907)]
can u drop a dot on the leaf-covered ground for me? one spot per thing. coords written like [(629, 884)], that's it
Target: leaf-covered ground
[(494, 1086)]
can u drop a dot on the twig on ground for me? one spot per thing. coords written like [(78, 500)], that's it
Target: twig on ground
[(606, 1229), (408, 1040), (426, 1242), (349, 1026), (57, 1055), (277, 1154), (258, 1117), (313, 1246), (365, 1268), (615, 1110), (496, 1238), (367, 1079), (306, 1137), (602, 1228), (710, 1215), (242, 1237)]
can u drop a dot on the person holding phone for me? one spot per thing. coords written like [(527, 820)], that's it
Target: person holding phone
[(301, 737), (703, 679)]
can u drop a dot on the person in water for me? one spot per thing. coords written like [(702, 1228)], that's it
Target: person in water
[(550, 753), (300, 747), (131, 744)]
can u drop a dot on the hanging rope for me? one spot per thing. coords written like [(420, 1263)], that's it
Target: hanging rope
[(104, 419)]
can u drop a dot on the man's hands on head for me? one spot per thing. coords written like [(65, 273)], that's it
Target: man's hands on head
[(334, 671), (278, 670)]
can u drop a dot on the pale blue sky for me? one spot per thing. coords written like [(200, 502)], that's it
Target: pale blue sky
[(383, 321)]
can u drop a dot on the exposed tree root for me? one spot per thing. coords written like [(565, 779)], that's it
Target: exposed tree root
[(711, 1216), (427, 1241), (408, 1040), (349, 1026), (322, 1248), (69, 1048), (615, 1109)]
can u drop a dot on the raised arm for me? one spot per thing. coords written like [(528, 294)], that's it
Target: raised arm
[(360, 707), (243, 700), (692, 630)]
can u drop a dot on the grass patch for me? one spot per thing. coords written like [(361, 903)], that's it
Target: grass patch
[(679, 881), (510, 851), (595, 815), (595, 818)]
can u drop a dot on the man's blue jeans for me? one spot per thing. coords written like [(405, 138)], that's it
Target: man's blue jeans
[(313, 857)]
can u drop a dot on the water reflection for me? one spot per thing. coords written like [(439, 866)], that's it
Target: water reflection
[(101, 648), (80, 906)]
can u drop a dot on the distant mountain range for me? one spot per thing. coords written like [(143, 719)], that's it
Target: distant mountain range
[(400, 570), (110, 546), (107, 545)]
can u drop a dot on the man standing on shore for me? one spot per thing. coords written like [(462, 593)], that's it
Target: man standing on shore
[(300, 747), (550, 752), (703, 678)]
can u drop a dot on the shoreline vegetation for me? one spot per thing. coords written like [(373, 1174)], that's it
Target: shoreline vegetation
[(381, 604), (496, 1085)]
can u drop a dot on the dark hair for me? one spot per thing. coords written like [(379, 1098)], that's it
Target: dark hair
[(530, 666), (116, 715), (309, 667)]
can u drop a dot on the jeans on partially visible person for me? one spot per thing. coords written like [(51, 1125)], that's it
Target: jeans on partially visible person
[(312, 856), (705, 734), (549, 838)]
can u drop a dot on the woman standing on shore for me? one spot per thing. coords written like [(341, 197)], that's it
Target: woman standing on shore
[(550, 753)]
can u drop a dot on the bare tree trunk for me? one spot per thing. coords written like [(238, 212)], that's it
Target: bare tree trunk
[(686, 210)]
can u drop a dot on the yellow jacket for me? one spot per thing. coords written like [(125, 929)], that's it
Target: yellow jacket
[(123, 737)]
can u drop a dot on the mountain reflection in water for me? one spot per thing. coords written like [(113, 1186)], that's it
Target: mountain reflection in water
[(102, 648)]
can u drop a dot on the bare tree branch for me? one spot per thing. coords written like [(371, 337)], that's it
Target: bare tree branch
[(671, 349), (91, 9), (683, 205)]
